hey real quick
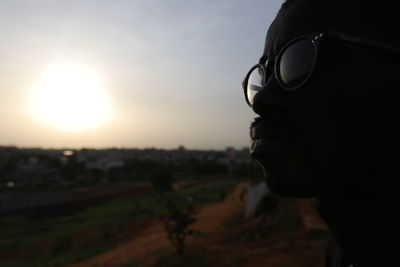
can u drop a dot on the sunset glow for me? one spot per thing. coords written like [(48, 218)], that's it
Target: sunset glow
[(70, 97), (128, 73)]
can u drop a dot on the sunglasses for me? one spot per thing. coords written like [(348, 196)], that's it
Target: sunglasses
[(295, 62)]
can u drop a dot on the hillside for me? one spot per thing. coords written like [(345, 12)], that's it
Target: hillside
[(289, 235)]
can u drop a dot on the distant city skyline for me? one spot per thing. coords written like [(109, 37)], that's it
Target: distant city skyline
[(128, 74)]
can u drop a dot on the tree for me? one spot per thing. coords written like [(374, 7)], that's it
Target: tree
[(161, 178), (176, 222)]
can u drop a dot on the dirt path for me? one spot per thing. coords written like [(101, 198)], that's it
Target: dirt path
[(153, 238)]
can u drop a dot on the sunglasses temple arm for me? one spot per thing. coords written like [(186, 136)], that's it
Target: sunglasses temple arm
[(364, 42)]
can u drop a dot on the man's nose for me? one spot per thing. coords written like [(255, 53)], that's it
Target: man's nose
[(271, 99)]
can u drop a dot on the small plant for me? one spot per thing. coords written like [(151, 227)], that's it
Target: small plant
[(61, 244), (176, 222), (107, 231)]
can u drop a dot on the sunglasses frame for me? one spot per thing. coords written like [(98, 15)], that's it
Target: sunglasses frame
[(315, 39)]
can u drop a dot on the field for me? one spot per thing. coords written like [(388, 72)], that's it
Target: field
[(59, 241), (277, 237)]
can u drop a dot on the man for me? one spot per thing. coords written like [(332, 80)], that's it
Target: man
[(326, 90)]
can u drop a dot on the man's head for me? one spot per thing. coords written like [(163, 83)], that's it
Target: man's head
[(340, 126)]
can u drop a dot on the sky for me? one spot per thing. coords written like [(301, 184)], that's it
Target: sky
[(128, 73)]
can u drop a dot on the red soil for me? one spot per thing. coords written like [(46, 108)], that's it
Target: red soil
[(217, 242)]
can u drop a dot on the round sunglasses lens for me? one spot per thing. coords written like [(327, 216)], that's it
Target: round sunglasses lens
[(296, 62), (254, 83)]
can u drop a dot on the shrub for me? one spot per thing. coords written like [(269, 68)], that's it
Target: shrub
[(161, 178), (61, 244), (176, 222)]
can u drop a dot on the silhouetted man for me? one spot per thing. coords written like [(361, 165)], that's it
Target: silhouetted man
[(326, 90)]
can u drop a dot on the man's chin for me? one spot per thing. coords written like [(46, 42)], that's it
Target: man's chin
[(284, 184)]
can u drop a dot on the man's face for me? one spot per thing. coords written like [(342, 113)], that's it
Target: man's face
[(313, 139)]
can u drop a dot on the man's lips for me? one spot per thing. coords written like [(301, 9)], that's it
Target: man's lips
[(262, 128)]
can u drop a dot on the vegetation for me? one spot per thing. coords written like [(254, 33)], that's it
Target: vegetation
[(254, 242), (39, 170), (162, 178), (176, 221), (61, 240)]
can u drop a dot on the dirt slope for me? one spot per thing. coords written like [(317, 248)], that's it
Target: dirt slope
[(153, 238)]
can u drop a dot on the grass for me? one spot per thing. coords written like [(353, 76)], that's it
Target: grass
[(71, 238)]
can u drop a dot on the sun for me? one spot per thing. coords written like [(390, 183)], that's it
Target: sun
[(70, 97)]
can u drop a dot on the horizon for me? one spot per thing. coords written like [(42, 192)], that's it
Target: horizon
[(124, 148), (128, 74)]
